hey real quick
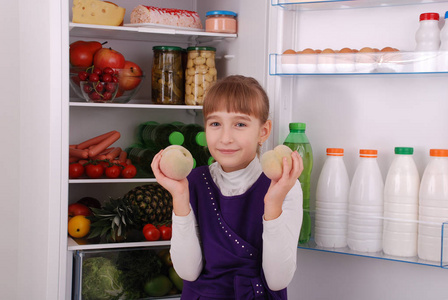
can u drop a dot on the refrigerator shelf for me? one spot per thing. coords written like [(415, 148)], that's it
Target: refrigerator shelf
[(134, 104), (345, 4), (72, 245), (116, 180), (442, 263), (360, 63), (144, 33), (311, 245)]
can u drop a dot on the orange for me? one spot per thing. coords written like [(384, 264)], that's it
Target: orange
[(78, 226)]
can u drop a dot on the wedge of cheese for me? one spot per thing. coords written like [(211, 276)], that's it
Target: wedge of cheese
[(97, 12)]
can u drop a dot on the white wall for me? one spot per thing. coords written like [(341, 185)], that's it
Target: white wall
[(9, 128)]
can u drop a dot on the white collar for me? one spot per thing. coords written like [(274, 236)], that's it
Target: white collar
[(236, 182)]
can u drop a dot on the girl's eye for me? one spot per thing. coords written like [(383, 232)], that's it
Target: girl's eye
[(214, 124), (240, 125)]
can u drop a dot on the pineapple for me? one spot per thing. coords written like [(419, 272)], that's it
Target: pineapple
[(144, 204)]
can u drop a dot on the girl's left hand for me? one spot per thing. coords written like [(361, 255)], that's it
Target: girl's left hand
[(278, 190)]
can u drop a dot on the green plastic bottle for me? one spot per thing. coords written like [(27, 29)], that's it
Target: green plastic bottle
[(297, 140), (157, 137)]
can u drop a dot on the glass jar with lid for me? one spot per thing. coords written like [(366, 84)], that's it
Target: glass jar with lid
[(167, 80), (200, 74), (221, 21)]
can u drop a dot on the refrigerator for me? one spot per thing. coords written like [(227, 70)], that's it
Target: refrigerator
[(351, 110)]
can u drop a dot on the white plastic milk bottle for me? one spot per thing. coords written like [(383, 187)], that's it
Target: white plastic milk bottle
[(401, 190), (428, 40), (365, 205), (332, 201), (443, 53), (433, 208)]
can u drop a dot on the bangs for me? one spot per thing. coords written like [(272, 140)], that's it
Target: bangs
[(237, 96)]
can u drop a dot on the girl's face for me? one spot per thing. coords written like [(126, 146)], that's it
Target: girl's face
[(233, 138)]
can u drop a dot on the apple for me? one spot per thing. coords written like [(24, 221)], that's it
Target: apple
[(78, 209), (82, 53), (130, 76), (107, 57), (176, 162), (272, 161)]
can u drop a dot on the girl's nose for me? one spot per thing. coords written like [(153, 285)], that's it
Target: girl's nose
[(226, 136)]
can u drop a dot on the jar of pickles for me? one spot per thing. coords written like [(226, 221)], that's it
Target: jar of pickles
[(200, 74), (167, 80)]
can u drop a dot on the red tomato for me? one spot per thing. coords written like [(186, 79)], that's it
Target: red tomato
[(105, 164), (147, 226), (113, 171), (75, 170), (165, 232), (129, 171), (94, 171), (151, 233)]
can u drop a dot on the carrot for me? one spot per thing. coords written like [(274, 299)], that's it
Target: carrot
[(113, 153), (73, 159), (95, 140), (101, 146), (78, 153), (72, 146), (123, 156)]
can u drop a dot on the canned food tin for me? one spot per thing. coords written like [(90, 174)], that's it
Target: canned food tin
[(200, 74)]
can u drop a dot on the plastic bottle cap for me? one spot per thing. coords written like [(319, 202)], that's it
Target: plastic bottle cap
[(429, 16), (335, 152), (439, 152), (297, 126), (368, 153), (200, 139), (446, 15), (404, 150), (176, 138)]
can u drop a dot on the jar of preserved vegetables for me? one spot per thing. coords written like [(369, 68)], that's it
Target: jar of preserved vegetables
[(167, 75), (200, 74)]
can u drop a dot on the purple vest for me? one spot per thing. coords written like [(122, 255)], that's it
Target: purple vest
[(231, 234)]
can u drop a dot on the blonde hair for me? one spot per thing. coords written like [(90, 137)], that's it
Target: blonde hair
[(238, 94)]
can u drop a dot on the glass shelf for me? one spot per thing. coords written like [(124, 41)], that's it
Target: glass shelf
[(442, 263), (346, 4), (117, 180), (311, 245), (144, 33), (133, 104), (360, 63), (73, 245)]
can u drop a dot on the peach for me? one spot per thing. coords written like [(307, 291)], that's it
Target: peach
[(176, 162), (272, 161)]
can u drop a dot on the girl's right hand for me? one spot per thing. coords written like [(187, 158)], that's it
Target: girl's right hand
[(177, 188)]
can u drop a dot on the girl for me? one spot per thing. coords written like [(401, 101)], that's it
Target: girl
[(235, 231)]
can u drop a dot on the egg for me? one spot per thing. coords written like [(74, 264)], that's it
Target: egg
[(307, 61), (387, 49), (366, 55), (289, 57), (345, 50), (325, 61)]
